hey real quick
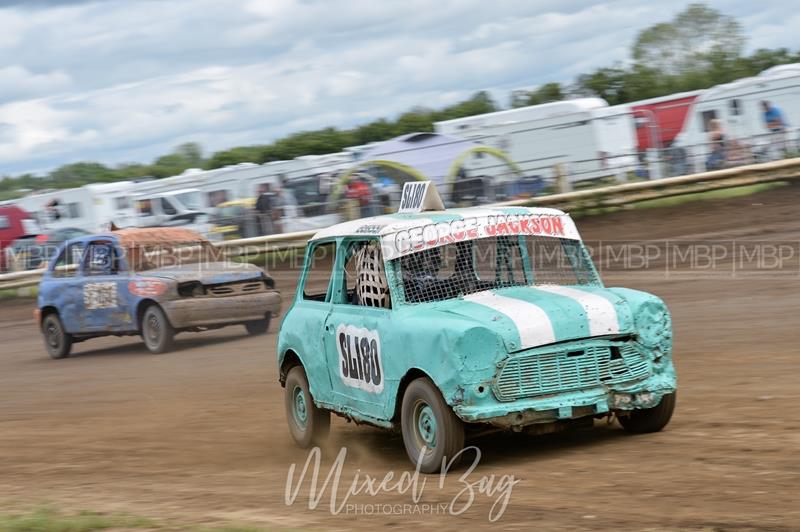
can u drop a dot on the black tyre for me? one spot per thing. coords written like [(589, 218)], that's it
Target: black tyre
[(56, 339), (259, 326), (308, 424), (649, 419), (429, 426), (157, 332)]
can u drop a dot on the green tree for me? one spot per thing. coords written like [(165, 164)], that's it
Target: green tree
[(690, 41), (76, 174), (549, 92)]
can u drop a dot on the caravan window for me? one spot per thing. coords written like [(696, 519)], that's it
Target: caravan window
[(705, 119), (191, 199), (122, 203), (167, 207), (74, 210), (5, 223), (216, 197), (144, 207), (736, 107)]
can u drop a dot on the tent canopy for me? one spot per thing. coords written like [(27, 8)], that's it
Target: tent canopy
[(428, 156)]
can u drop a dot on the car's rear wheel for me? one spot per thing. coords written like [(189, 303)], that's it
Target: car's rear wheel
[(649, 419), (258, 326), (157, 332), (56, 339), (432, 433), (308, 424)]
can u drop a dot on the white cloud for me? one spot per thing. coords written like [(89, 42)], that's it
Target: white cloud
[(124, 81), (17, 82)]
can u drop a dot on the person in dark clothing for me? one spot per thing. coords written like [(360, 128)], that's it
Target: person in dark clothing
[(264, 206)]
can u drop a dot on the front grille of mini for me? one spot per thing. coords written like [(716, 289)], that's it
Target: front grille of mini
[(565, 369), (236, 289)]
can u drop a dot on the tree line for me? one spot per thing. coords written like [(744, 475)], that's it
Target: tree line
[(699, 48)]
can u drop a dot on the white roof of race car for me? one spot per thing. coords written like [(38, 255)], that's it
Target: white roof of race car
[(401, 234)]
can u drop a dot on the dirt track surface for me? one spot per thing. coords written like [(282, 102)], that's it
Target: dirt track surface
[(198, 436)]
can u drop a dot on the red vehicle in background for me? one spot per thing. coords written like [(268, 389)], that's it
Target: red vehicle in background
[(14, 223), (659, 120)]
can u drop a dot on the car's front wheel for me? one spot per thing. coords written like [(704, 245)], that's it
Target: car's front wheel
[(649, 419), (157, 332), (308, 424), (258, 326), (56, 339), (432, 433)]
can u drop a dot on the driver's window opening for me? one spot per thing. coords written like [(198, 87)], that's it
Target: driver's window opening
[(318, 277), (365, 277), (102, 259)]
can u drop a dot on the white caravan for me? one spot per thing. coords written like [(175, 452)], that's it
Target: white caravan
[(90, 207), (585, 137), (737, 105)]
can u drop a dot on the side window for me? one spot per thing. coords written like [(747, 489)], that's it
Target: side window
[(74, 210), (705, 119), (216, 197), (4, 222), (101, 259), (67, 263), (167, 207), (736, 107), (144, 207), (318, 277), (365, 276)]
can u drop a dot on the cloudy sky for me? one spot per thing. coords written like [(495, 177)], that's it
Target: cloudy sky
[(123, 81)]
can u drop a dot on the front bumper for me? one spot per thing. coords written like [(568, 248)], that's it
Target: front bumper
[(209, 311), (597, 400)]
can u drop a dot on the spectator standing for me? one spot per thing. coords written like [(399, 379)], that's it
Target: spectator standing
[(359, 190), (716, 139), (264, 209), (776, 125)]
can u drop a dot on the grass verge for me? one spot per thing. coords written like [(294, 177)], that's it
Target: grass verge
[(50, 520), (47, 519)]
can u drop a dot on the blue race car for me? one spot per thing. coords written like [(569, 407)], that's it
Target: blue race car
[(151, 282)]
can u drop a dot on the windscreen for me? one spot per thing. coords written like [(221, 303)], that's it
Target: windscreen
[(463, 268), (151, 256)]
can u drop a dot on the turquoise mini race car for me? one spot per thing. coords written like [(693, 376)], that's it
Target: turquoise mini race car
[(441, 323)]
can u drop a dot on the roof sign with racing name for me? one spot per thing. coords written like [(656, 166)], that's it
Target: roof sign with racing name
[(420, 196)]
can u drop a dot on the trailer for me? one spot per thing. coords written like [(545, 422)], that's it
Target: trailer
[(738, 108), (90, 207), (584, 138)]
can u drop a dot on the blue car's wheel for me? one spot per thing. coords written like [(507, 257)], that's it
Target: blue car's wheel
[(258, 327), (308, 424), (56, 339), (157, 332), (432, 433)]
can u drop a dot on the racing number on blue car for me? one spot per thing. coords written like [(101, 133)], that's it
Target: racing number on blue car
[(360, 364)]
